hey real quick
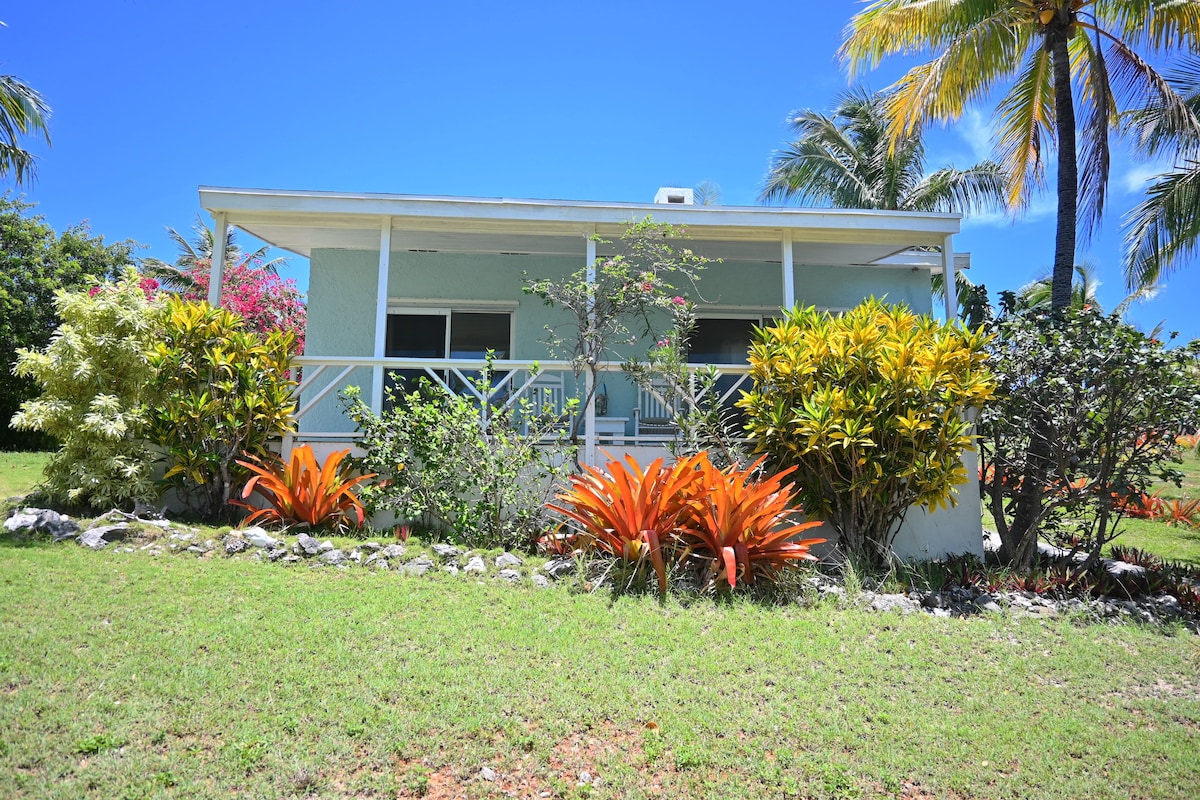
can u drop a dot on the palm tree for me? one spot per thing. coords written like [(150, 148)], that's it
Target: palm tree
[(847, 160), (1164, 230), (23, 112), (1034, 49), (199, 250)]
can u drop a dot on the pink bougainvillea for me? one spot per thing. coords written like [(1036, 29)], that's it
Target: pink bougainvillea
[(266, 301)]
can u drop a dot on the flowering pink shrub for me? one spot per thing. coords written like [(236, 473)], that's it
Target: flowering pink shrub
[(266, 301)]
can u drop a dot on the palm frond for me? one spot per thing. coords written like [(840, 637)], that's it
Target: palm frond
[(1099, 116), (1164, 229), (979, 188), (1026, 116), (23, 112)]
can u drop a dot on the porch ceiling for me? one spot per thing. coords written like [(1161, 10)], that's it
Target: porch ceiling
[(305, 221)]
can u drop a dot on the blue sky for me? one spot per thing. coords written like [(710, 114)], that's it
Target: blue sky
[(545, 100)]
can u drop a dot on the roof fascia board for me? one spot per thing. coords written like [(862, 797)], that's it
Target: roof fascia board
[(570, 211)]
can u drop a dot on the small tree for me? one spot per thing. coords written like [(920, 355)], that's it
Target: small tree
[(1098, 403), (623, 302), (94, 376), (222, 391), (870, 407)]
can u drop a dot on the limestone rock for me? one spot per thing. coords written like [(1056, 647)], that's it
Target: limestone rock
[(258, 537), (42, 520), (508, 560)]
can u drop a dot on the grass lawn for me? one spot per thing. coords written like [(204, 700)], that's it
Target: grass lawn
[(1174, 542), (19, 472), (123, 675)]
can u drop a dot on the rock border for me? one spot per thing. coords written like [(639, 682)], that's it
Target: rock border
[(126, 530)]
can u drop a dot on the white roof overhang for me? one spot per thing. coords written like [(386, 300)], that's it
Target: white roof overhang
[(303, 221)]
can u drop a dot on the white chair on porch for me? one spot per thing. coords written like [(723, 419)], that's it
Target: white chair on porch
[(653, 419), (547, 406)]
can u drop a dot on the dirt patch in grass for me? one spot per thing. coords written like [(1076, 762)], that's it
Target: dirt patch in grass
[(571, 766)]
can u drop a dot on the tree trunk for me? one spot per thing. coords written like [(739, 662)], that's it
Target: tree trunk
[(1068, 169)]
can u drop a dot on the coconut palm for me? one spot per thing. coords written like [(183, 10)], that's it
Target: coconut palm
[(1051, 59), (199, 250), (23, 112), (847, 160), (1164, 230)]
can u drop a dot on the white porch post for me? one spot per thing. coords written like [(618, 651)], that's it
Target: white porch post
[(589, 411), (789, 274), (381, 307), (950, 279), (216, 269)]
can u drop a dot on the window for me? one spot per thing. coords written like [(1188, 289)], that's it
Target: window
[(443, 333), (723, 340)]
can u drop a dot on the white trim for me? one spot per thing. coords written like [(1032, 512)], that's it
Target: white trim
[(950, 280), (216, 267), (767, 220), (381, 310), (789, 271), (455, 305)]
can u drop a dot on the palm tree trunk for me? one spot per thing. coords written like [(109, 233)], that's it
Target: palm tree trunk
[(1068, 169)]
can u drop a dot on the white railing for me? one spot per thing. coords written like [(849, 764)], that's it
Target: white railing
[(512, 380)]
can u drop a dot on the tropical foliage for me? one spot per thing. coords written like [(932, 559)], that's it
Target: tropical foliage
[(848, 160), (1064, 70), (221, 391), (870, 407), (746, 523), (1086, 417), (35, 264), (299, 491), (94, 377), (250, 283), (630, 513)]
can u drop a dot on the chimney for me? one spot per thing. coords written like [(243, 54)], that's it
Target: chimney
[(670, 195)]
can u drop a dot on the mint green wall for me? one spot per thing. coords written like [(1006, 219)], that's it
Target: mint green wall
[(341, 302)]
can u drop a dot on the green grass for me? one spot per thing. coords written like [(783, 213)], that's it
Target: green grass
[(19, 472), (1174, 542), (127, 676)]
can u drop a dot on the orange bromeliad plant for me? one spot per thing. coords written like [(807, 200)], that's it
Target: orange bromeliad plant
[(300, 491), (745, 524), (630, 513)]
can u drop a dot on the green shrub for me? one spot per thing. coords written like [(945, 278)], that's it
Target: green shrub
[(437, 464), (869, 406), (94, 377), (222, 391)]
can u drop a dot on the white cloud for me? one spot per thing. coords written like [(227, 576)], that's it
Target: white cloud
[(977, 131), (1135, 178)]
